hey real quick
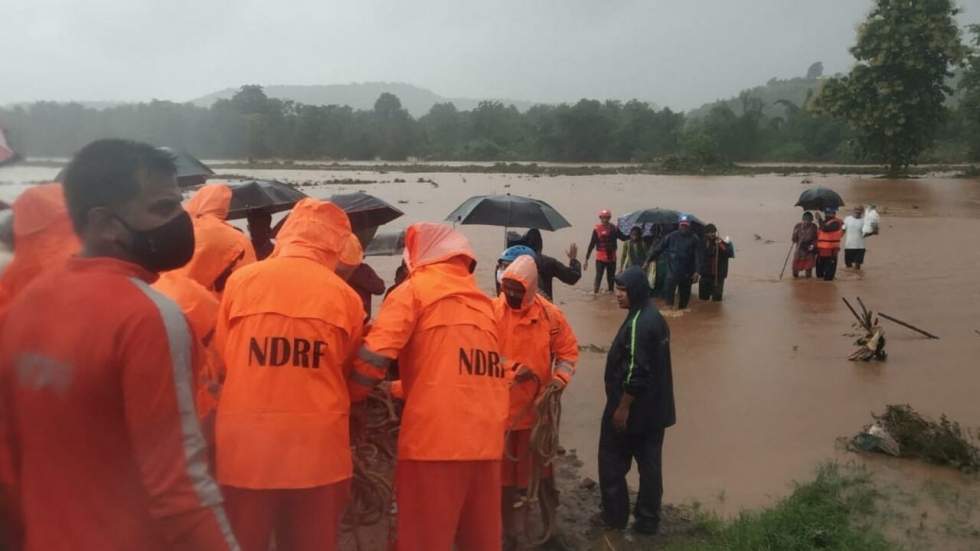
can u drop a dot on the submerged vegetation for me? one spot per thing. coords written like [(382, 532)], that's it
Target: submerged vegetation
[(835, 511)]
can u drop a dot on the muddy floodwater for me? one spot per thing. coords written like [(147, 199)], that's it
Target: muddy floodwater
[(762, 381)]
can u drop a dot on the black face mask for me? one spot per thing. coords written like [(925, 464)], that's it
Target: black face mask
[(514, 302), (165, 247)]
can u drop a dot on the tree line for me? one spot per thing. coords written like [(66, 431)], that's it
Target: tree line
[(252, 125), (894, 107)]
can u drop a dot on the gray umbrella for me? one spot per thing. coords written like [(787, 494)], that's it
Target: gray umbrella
[(509, 211)]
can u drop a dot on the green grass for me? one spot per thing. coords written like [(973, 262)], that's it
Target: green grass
[(831, 513)]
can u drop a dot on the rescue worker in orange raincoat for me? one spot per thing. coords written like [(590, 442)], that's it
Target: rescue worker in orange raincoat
[(43, 238), (95, 374), (288, 328), (220, 247), (534, 333), (441, 329)]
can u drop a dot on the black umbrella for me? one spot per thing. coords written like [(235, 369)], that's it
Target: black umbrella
[(386, 244), (365, 210), (509, 211), (819, 198), (267, 196), (188, 166), (190, 170), (647, 218)]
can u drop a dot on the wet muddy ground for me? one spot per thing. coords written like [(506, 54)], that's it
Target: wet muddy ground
[(762, 381)]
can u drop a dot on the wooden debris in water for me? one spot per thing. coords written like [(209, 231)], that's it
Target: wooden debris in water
[(871, 345), (908, 325)]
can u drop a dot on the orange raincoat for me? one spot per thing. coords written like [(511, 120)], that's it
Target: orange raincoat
[(95, 376), (218, 246), (441, 328), (201, 309), (537, 336), (287, 329), (43, 238)]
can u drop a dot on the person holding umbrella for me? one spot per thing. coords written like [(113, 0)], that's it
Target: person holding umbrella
[(829, 234), (604, 241), (685, 259)]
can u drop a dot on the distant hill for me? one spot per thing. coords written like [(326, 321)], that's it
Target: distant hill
[(792, 89), (361, 95)]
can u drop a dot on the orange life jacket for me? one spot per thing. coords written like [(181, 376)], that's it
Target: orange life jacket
[(605, 250), (442, 330), (287, 329), (537, 336), (829, 241)]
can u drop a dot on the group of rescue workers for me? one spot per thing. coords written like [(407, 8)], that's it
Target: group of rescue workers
[(161, 388), (673, 259)]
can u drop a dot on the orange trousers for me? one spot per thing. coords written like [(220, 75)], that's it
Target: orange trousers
[(441, 503), (302, 520), (517, 472)]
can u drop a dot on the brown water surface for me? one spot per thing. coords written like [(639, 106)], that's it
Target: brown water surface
[(762, 380)]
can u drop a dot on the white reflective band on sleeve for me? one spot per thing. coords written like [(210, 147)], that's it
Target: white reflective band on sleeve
[(567, 367), (195, 448)]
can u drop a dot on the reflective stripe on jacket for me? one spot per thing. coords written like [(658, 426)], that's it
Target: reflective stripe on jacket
[(96, 373)]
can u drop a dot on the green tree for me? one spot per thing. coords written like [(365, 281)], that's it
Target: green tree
[(894, 97), (969, 108)]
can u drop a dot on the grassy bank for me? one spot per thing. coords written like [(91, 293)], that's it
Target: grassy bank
[(835, 511)]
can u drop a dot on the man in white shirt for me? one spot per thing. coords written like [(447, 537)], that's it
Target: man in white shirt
[(854, 238)]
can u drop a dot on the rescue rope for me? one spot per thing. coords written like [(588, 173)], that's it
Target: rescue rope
[(543, 448), (374, 436)]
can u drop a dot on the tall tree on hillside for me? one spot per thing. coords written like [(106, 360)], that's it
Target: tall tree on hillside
[(894, 97), (969, 107), (815, 71)]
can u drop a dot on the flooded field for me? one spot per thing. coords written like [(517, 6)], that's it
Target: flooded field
[(762, 380)]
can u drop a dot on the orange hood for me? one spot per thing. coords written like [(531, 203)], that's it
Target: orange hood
[(212, 199), (217, 246), (316, 230), (427, 243), (43, 237), (352, 253), (524, 271)]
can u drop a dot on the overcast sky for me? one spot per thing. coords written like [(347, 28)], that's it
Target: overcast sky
[(677, 53)]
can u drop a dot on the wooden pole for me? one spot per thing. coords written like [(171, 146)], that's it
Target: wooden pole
[(786, 262), (908, 325), (853, 311)]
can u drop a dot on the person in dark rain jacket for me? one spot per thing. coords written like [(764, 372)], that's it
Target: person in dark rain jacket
[(550, 268), (685, 258), (717, 253), (639, 407)]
